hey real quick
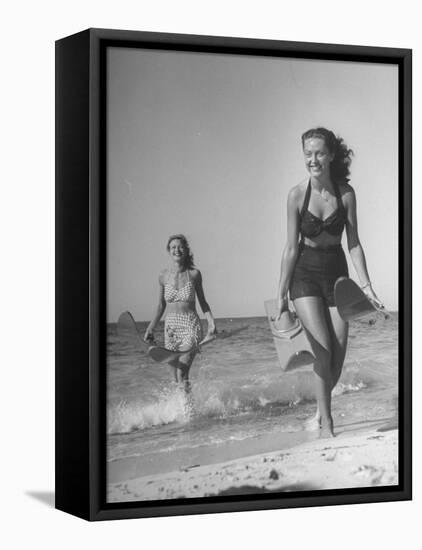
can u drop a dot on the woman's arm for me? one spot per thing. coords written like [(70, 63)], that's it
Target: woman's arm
[(203, 303), (158, 312), (355, 248), (290, 251)]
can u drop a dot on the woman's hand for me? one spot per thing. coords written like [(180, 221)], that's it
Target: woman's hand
[(282, 305), (211, 335), (149, 336), (369, 292), (212, 330)]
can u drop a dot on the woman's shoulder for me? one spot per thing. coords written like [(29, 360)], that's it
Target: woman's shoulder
[(163, 276), (297, 192), (194, 273), (347, 192)]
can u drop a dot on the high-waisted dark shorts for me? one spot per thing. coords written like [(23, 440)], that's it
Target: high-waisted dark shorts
[(316, 272)]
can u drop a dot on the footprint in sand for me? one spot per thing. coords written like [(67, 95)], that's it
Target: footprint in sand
[(369, 473), (330, 457)]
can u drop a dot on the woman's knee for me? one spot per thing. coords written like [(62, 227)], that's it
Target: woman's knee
[(184, 367)]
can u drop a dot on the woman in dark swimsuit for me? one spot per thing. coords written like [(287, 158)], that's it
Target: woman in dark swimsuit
[(317, 212), (179, 286)]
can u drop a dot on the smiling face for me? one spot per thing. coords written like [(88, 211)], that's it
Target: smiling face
[(317, 157), (177, 250)]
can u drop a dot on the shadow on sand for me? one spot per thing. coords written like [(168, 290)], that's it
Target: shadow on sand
[(254, 490)]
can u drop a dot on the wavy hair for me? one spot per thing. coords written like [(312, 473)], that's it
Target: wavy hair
[(340, 165), (189, 263)]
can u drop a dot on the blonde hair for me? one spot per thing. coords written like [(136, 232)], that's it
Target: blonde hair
[(189, 263)]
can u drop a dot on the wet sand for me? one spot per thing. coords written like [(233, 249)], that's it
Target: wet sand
[(364, 456)]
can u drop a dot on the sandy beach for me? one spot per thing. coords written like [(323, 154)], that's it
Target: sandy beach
[(248, 434), (363, 458)]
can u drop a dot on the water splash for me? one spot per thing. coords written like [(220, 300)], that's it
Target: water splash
[(126, 417), (212, 399)]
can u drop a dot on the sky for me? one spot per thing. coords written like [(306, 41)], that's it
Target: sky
[(208, 145)]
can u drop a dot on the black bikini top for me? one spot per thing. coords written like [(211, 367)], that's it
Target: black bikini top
[(311, 226)]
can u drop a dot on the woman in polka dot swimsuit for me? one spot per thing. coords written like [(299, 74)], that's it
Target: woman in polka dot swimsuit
[(179, 286)]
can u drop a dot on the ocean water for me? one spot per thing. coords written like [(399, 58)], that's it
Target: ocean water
[(241, 398)]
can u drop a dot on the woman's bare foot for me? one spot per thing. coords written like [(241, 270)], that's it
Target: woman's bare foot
[(313, 424)]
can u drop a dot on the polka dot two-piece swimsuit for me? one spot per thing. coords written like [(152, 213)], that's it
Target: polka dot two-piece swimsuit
[(182, 330)]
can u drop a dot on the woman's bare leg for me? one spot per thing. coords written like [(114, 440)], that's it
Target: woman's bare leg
[(180, 371), (312, 313), (339, 331), (180, 367), (173, 365), (185, 362)]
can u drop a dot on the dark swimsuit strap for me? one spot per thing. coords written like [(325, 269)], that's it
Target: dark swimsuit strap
[(303, 211), (340, 204), (306, 201)]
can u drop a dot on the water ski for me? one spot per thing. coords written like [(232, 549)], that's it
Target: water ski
[(164, 355), (293, 348), (352, 303), (127, 328)]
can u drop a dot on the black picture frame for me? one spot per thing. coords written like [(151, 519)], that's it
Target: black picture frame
[(81, 272)]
